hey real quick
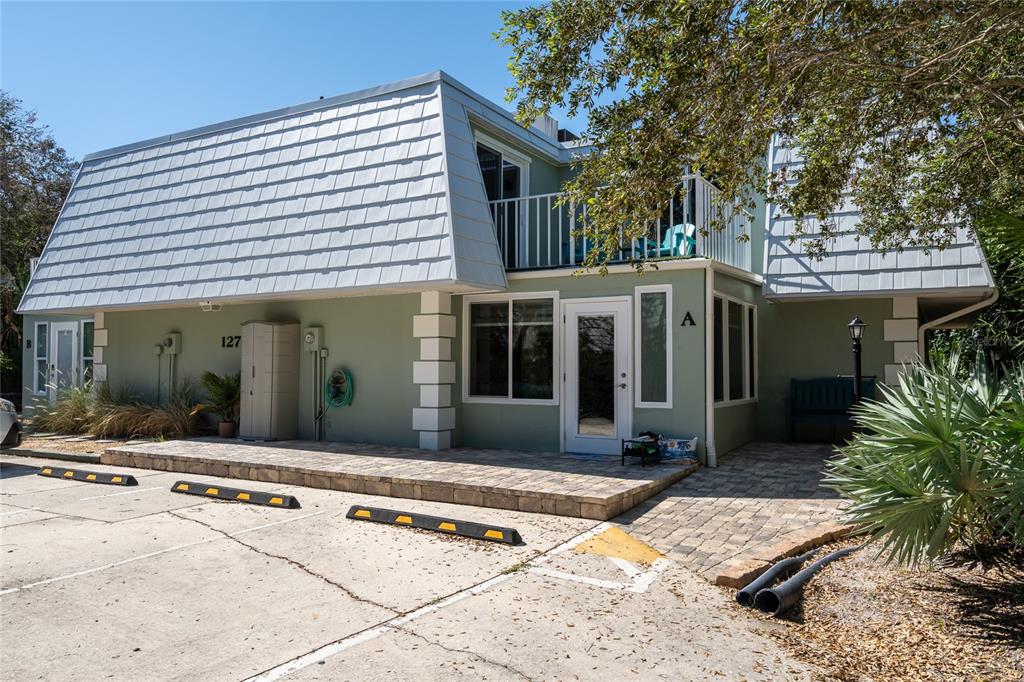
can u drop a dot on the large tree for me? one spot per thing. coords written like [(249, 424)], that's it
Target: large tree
[(920, 103), (35, 176)]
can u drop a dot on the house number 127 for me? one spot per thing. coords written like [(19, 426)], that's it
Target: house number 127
[(230, 341)]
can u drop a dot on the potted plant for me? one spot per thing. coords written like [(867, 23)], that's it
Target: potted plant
[(223, 393)]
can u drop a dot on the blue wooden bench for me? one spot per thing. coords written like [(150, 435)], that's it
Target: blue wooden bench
[(823, 401)]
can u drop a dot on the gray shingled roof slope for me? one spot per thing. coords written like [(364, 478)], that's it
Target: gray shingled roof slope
[(373, 190), (852, 268)]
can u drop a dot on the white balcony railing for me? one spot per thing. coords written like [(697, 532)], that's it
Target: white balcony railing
[(539, 231)]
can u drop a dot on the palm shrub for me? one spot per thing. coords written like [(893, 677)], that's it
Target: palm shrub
[(223, 394), (938, 463)]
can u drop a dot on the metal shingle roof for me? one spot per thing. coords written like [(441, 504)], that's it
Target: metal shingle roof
[(851, 266), (340, 194)]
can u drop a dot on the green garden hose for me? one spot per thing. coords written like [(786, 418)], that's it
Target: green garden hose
[(339, 388)]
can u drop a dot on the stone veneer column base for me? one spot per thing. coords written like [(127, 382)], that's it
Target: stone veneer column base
[(99, 349), (434, 372), (901, 330)]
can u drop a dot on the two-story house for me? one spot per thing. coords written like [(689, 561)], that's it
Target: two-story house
[(417, 229)]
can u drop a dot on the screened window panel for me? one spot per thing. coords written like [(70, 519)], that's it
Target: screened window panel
[(736, 355), (751, 350), (719, 351)]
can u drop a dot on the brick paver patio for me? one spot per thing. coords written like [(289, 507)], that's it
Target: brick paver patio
[(552, 483), (757, 494)]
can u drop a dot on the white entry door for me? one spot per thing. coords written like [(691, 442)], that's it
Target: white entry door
[(597, 410), (63, 372)]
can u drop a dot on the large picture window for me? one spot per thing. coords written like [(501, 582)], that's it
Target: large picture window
[(653, 322), (735, 350), (511, 349)]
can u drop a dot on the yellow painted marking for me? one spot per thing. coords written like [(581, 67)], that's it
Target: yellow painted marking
[(445, 525), (69, 474), (242, 496), (363, 514), (47, 471), (276, 500), (183, 486), (402, 518), (616, 542), (91, 477), (497, 534), (212, 491), (115, 479)]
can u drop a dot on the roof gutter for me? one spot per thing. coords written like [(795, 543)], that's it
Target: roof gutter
[(937, 323)]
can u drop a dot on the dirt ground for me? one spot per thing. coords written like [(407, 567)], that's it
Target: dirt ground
[(77, 445), (862, 620)]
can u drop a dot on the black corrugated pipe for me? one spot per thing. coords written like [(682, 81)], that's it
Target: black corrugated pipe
[(784, 567), (775, 600)]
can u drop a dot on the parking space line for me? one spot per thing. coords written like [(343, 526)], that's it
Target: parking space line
[(186, 545), (127, 492), (20, 511), (393, 624)]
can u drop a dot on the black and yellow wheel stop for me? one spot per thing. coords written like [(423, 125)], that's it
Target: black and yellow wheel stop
[(87, 476), (235, 494), (441, 524)]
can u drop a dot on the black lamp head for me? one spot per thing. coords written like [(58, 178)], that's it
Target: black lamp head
[(857, 328)]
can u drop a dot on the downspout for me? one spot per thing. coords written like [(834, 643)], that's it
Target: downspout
[(710, 458), (984, 303)]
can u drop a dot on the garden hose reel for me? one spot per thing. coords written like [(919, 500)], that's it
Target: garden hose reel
[(339, 388)]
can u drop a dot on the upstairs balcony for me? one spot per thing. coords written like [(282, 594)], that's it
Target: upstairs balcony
[(541, 231)]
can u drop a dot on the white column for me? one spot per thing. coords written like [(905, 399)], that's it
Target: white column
[(901, 330), (434, 372)]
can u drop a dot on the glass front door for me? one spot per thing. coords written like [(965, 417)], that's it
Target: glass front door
[(63, 358), (596, 410)]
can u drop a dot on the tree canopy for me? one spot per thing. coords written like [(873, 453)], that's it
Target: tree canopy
[(35, 176), (914, 108)]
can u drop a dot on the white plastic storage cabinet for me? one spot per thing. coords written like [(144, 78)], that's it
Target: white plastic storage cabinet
[(270, 381)]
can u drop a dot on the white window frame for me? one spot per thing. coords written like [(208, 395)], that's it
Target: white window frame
[(556, 331), (36, 388), (638, 293), (520, 160), (745, 306), (509, 153)]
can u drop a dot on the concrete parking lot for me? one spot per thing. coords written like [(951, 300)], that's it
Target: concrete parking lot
[(108, 582)]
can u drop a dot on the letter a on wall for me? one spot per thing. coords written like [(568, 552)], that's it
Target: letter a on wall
[(688, 320)]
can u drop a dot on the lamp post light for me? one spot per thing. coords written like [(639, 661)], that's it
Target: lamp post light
[(856, 333)]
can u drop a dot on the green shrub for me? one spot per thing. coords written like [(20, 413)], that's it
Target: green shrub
[(938, 463), (223, 394)]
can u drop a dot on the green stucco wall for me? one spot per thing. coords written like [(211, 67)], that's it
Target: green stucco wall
[(371, 336), (536, 427), (735, 425), (808, 340)]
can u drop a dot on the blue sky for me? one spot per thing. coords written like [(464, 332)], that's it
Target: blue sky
[(106, 74)]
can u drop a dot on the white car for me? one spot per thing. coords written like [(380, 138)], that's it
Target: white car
[(10, 428)]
